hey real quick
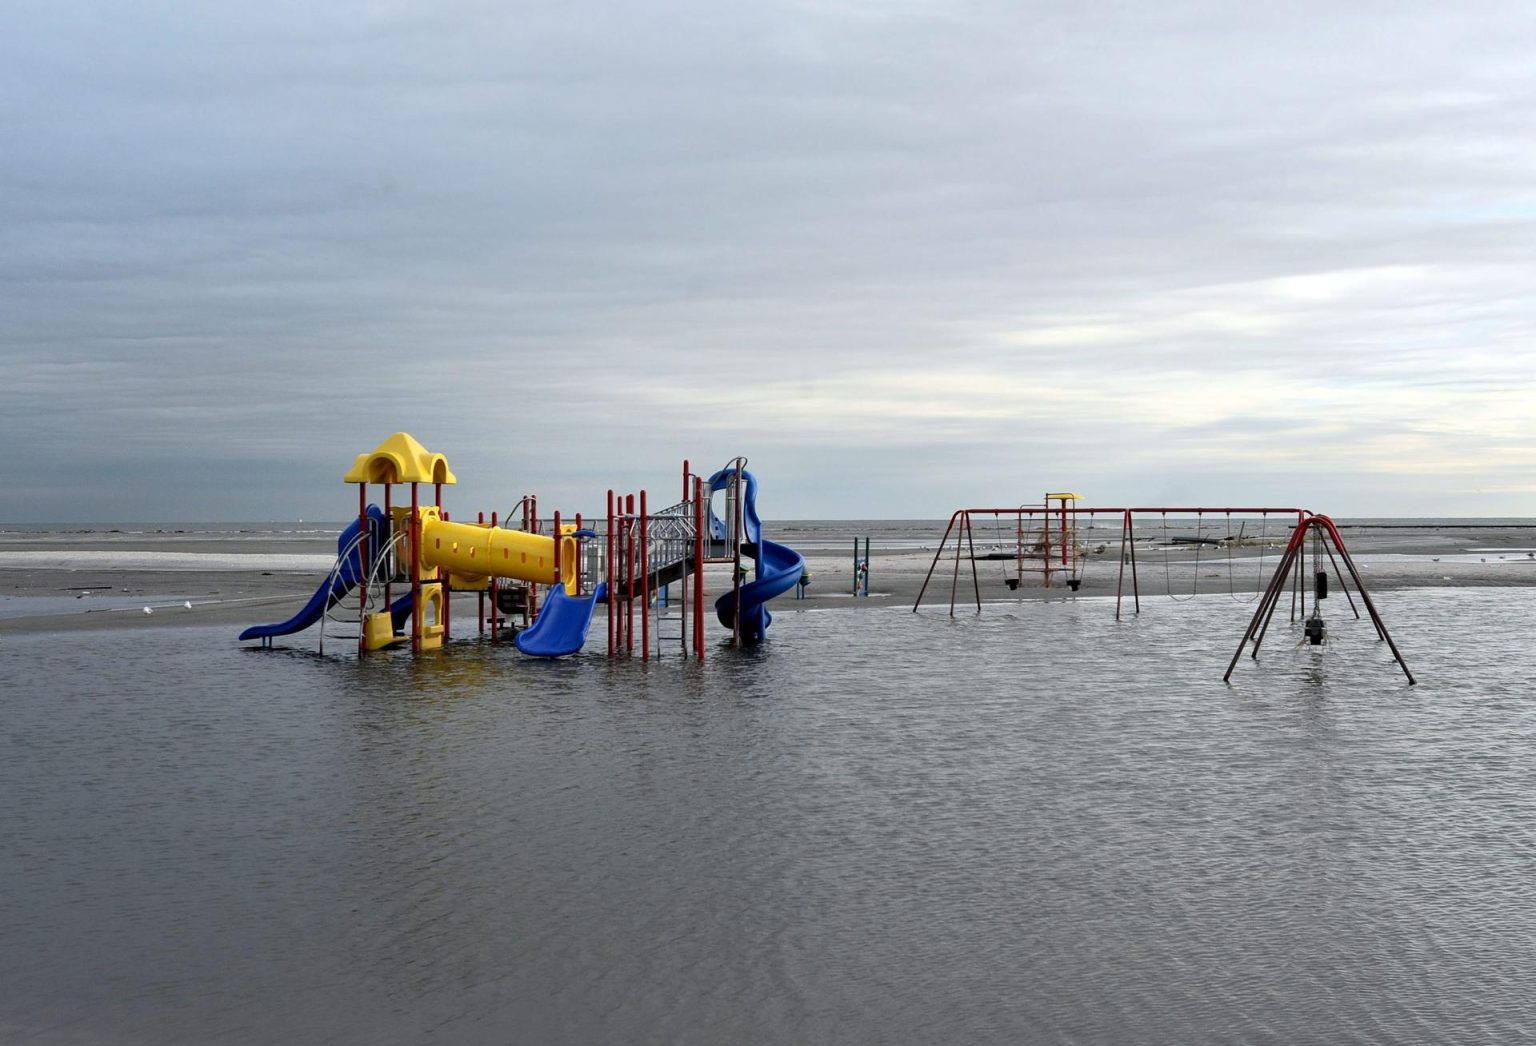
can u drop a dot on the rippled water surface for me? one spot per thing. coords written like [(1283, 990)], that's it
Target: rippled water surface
[(1037, 825)]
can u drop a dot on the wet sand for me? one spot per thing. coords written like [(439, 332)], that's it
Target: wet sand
[(63, 582)]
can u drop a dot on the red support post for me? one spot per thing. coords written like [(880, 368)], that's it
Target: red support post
[(362, 565), (495, 591), (645, 582), (737, 534), (1135, 577), (629, 574), (970, 540), (1125, 534), (699, 539), (954, 581), (418, 616), (389, 519), (1065, 552), (442, 578), (531, 525), (1045, 547), (612, 578)]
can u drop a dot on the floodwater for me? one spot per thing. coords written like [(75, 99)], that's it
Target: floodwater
[(1033, 825)]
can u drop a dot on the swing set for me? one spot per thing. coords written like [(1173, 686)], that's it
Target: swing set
[(1047, 541)]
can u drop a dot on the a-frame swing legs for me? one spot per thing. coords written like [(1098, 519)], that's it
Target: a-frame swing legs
[(1258, 625), (965, 540)]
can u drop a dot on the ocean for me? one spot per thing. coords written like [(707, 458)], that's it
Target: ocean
[(1034, 825)]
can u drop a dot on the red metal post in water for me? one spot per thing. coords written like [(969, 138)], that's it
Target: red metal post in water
[(612, 598), (444, 589), (699, 539), (645, 583), (531, 525), (389, 525), (558, 541), (362, 564), (629, 574), (1065, 549), (495, 593), (418, 614)]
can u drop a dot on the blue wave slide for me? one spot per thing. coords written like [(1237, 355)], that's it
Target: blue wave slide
[(339, 582), (778, 566), (561, 627)]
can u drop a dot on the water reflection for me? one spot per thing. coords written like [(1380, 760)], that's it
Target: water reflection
[(1036, 824)]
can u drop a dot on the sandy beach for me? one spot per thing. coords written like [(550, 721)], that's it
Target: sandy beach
[(64, 581)]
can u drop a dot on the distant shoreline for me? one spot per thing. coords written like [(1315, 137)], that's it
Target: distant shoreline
[(240, 579), (1435, 526)]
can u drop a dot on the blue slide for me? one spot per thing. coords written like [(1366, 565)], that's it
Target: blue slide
[(339, 582), (778, 566), (400, 611), (561, 627)]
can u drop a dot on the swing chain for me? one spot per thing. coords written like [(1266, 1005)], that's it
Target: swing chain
[(1167, 571)]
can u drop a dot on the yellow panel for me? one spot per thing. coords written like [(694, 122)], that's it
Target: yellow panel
[(379, 631), (429, 617)]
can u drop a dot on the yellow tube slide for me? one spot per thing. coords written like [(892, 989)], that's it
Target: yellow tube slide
[(480, 550)]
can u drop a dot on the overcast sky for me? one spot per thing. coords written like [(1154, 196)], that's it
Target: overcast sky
[(904, 255)]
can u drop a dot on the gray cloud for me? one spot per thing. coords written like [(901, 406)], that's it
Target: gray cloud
[(904, 255)]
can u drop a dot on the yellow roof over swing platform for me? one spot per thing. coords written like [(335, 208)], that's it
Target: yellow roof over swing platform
[(400, 459)]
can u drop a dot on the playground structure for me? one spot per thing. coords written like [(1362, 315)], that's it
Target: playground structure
[(1046, 541), (397, 567)]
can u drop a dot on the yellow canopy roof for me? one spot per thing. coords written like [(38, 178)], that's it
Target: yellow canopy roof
[(400, 459)]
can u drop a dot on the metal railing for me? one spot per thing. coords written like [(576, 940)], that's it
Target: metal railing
[(375, 577)]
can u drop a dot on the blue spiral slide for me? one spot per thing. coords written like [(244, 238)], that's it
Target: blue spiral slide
[(778, 566), (338, 583)]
